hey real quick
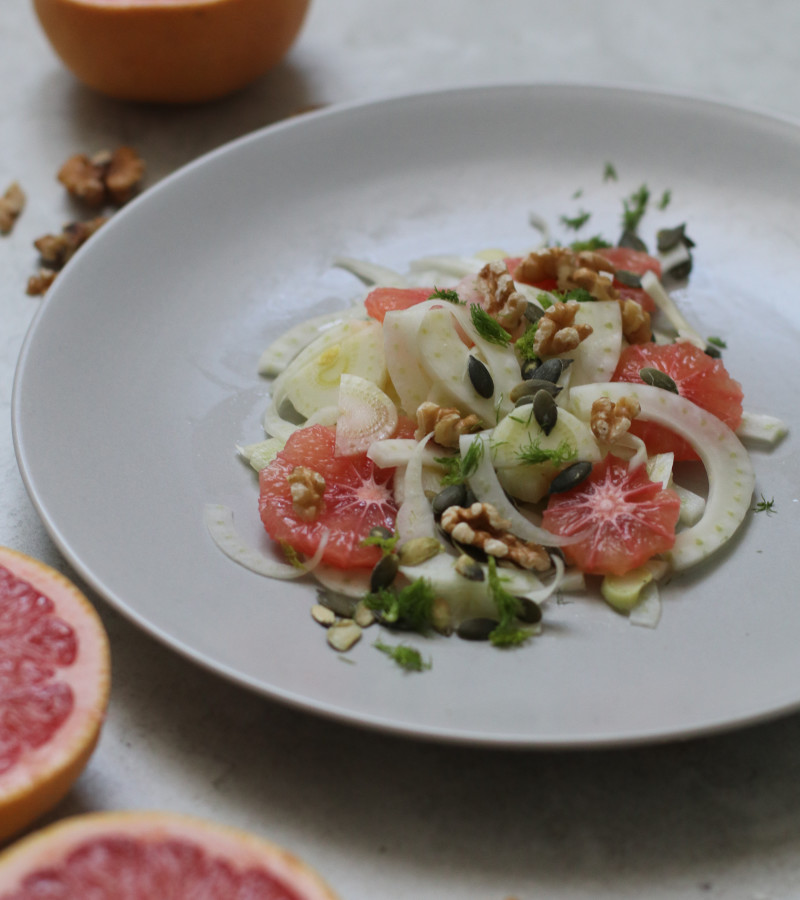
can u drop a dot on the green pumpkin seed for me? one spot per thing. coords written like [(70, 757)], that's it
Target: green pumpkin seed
[(418, 550), (629, 279), (340, 604), (657, 378), (533, 312), (632, 240), (550, 370), (480, 377), (529, 611)]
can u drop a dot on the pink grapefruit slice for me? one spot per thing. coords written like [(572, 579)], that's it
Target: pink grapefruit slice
[(153, 855), (54, 686)]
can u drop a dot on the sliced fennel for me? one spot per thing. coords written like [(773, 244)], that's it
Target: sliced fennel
[(666, 304), (761, 428), (261, 453), (596, 357), (285, 348), (415, 515), (311, 381), (219, 521), (366, 415), (730, 473)]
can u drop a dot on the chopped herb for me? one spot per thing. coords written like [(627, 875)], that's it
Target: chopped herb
[(524, 344), (592, 243), (533, 453), (386, 544), (459, 468), (406, 657), (609, 173), (411, 607), (447, 294), (292, 556), (507, 632), (634, 207), (578, 194), (767, 506), (487, 327), (546, 298), (576, 222), (718, 342), (666, 197)]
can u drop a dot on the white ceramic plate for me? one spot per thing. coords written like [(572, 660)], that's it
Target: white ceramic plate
[(139, 376)]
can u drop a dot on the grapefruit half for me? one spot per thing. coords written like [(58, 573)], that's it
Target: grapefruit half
[(110, 856), (170, 51), (54, 686)]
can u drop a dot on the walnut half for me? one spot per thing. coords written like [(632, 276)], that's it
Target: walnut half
[(482, 526), (11, 205), (306, 487), (557, 331), (610, 420)]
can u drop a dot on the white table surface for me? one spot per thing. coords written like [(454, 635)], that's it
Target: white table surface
[(383, 817)]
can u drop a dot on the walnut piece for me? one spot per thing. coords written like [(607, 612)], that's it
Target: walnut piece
[(482, 526), (557, 331), (446, 423), (56, 249), (610, 420), (307, 487), (636, 326), (39, 283), (11, 205), (104, 178), (503, 301)]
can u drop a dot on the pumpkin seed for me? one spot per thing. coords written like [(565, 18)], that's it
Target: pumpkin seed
[(529, 611), (323, 615), (629, 279), (545, 410), (669, 238), (713, 352), (476, 553), (340, 604), (529, 387), (477, 629), (657, 378), (570, 477), (384, 572), (681, 270), (551, 369), (469, 568), (533, 312), (631, 240), (343, 634), (480, 377), (452, 495), (418, 550), (529, 366)]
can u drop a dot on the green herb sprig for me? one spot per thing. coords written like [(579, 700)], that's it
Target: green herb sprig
[(408, 658), (487, 327)]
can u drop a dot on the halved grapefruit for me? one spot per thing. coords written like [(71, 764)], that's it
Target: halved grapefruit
[(54, 686), (170, 51), (109, 856)]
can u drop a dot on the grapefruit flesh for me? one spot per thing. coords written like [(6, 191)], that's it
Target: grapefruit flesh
[(54, 685), (153, 855), (170, 51)]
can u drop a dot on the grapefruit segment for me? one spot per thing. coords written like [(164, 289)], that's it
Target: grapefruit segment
[(54, 685), (153, 855)]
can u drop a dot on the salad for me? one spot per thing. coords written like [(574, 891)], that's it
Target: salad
[(480, 433)]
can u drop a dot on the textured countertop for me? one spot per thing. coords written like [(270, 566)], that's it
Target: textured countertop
[(382, 816)]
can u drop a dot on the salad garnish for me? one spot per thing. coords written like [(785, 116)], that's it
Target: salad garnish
[(481, 433)]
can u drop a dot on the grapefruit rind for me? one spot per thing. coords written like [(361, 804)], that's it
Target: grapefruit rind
[(51, 846), (40, 781), (170, 51)]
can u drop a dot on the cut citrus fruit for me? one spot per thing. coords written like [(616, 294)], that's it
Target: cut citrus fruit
[(170, 51), (54, 685), (154, 855)]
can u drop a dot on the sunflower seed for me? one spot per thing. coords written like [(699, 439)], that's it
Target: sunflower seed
[(363, 616), (323, 615), (545, 410), (342, 635), (657, 378), (570, 477), (477, 629), (480, 377)]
